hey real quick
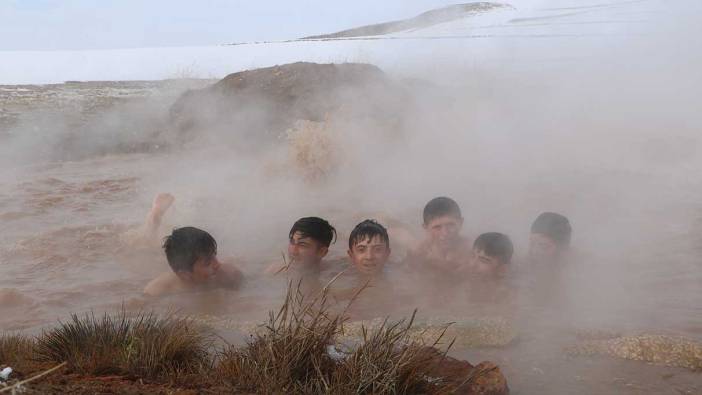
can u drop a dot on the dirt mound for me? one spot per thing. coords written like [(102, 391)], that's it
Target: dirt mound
[(259, 106)]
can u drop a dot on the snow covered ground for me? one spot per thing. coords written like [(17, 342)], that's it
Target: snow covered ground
[(515, 38)]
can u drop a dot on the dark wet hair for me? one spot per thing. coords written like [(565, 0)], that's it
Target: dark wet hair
[(554, 226), (186, 245), (315, 228), (439, 207), (495, 245), (368, 229)]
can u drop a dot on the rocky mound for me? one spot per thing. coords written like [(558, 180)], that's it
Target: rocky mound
[(259, 106)]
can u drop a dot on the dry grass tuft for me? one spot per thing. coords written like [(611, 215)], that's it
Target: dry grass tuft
[(17, 351), (295, 352), (140, 345), (389, 361), (292, 355)]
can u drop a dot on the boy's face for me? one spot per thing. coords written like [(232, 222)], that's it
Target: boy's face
[(542, 247), (369, 256), (444, 231), (204, 270), (483, 264), (305, 251)]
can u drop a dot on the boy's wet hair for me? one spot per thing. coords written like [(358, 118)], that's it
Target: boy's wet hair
[(555, 226), (495, 244), (440, 207), (316, 229), (186, 245), (368, 229)]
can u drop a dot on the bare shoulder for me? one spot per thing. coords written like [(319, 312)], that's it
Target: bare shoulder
[(166, 282), (229, 275)]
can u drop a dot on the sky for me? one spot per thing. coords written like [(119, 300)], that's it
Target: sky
[(109, 24)]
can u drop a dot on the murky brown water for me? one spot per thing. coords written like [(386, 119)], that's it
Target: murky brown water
[(63, 248)]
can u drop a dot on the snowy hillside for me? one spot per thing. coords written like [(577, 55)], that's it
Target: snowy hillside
[(499, 36)]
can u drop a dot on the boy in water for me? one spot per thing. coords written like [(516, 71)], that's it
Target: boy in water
[(492, 253), (549, 241), (489, 290), (444, 248), (369, 248), (365, 280), (191, 254), (308, 243), (548, 271)]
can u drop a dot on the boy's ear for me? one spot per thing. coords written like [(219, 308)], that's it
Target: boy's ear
[(461, 222), (323, 251), (349, 253)]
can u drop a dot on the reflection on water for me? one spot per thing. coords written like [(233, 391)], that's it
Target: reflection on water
[(66, 248)]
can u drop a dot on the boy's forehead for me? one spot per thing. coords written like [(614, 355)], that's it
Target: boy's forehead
[(443, 219), (299, 236), (370, 241)]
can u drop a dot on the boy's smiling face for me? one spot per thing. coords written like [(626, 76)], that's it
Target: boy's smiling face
[(369, 255)]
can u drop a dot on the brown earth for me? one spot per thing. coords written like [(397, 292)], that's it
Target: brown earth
[(482, 379), (259, 106)]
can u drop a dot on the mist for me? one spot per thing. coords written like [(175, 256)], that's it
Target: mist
[(603, 129)]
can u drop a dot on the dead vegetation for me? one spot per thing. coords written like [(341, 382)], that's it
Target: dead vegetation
[(312, 149), (17, 351), (290, 354), (295, 352), (387, 361), (142, 346)]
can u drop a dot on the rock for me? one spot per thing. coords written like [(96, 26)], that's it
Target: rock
[(482, 379)]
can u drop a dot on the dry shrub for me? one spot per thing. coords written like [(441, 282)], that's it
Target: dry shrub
[(140, 345), (292, 355), (17, 351), (388, 361), (312, 149)]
